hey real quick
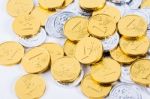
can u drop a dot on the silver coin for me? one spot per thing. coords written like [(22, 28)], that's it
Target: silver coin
[(34, 41), (120, 1), (111, 42), (55, 23), (125, 91)]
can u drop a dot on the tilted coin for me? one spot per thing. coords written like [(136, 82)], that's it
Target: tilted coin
[(89, 50), (125, 91), (69, 48), (134, 47), (30, 86), (145, 4), (94, 5), (36, 60), (140, 71), (41, 14), (111, 42), (93, 89), (34, 41), (108, 11), (11, 53), (106, 71), (121, 57), (66, 70), (55, 51), (19, 7), (76, 28), (26, 25), (51, 4), (55, 23), (102, 25), (132, 26)]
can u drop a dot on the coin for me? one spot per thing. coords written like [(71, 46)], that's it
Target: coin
[(66, 70), (41, 14), (108, 9), (89, 50), (30, 86), (111, 42), (33, 41), (140, 71), (76, 28), (51, 4), (145, 4), (55, 23), (36, 60), (94, 5), (26, 25), (125, 91), (132, 26), (106, 71), (99, 25), (10, 53), (121, 57), (134, 47), (92, 89), (69, 48), (55, 51), (18, 7)]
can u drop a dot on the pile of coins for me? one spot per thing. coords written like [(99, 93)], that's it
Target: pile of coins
[(106, 46)]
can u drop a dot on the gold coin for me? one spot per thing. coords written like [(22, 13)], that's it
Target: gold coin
[(140, 71), (89, 50), (41, 14), (11, 53), (102, 25), (55, 51), (51, 4), (106, 71), (76, 28), (94, 5), (108, 11), (66, 69), (145, 4), (132, 26), (26, 25), (30, 86), (93, 89), (134, 47), (69, 48), (121, 57), (19, 7), (36, 60)]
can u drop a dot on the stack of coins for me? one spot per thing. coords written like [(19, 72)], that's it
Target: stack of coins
[(109, 38)]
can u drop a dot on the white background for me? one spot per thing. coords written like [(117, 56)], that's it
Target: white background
[(9, 75)]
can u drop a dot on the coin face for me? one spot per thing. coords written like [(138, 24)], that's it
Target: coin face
[(99, 25), (92, 89), (140, 71), (145, 4), (108, 11), (94, 5), (10, 53), (66, 69), (69, 48), (134, 47), (125, 91), (106, 71), (26, 25), (36, 60), (51, 4), (76, 28), (30, 86), (55, 51), (19, 7), (89, 50), (132, 26), (121, 57)]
